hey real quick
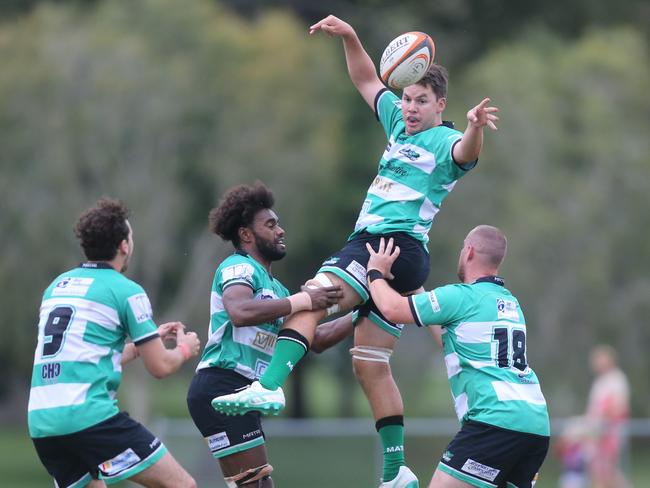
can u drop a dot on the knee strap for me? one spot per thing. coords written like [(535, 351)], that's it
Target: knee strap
[(248, 476), (319, 281), (370, 353)]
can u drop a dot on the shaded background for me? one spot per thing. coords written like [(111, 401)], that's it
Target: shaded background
[(166, 104)]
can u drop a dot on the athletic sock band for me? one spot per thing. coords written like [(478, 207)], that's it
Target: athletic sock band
[(392, 420), (295, 336)]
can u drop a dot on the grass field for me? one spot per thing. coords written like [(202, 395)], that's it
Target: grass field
[(341, 462)]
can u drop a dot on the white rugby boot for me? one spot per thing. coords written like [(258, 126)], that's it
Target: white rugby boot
[(253, 398), (404, 479)]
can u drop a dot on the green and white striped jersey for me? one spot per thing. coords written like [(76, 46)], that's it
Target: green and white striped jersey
[(85, 317), (484, 338), (416, 173), (246, 350)]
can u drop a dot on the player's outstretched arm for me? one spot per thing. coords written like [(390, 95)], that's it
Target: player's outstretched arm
[(332, 332), (391, 304), (469, 147), (360, 67), (244, 310), (166, 332)]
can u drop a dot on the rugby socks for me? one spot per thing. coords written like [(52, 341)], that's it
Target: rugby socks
[(391, 433), (289, 349)]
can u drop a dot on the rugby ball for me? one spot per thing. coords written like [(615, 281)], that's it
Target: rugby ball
[(406, 59)]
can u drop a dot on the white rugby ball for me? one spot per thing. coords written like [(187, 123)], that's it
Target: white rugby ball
[(406, 59)]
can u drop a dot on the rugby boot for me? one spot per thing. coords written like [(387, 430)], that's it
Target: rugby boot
[(404, 479), (253, 398)]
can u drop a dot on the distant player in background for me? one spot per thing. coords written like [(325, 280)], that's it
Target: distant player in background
[(420, 166), (505, 429), (247, 308), (608, 411), (86, 315)]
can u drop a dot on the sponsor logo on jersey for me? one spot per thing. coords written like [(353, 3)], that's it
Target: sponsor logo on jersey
[(357, 270), (218, 441), (72, 286), (396, 168), (381, 185), (260, 367), (50, 371), (141, 307), (433, 299), (480, 470), (255, 433), (264, 342), (119, 463), (409, 153), (507, 309), (242, 271)]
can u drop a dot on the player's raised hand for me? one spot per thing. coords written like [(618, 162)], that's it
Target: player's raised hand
[(384, 257), (332, 26), (482, 115), (323, 297)]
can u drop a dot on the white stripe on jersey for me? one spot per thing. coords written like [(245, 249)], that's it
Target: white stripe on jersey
[(393, 191), (216, 303), (59, 395), (453, 364), (367, 220), (425, 161), (530, 393), (481, 332), (245, 371), (85, 310), (428, 210), (460, 405)]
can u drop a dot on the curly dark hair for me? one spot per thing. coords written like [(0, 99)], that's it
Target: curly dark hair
[(437, 78), (101, 228), (237, 208)]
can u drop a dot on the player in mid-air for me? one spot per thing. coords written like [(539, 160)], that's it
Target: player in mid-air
[(505, 429), (247, 308), (420, 166), (86, 315)]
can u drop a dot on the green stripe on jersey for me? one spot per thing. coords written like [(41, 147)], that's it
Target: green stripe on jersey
[(85, 318), (484, 338), (246, 350), (416, 173)]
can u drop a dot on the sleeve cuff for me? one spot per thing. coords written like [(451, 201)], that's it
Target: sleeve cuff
[(414, 312), (464, 166), (377, 97), (148, 338)]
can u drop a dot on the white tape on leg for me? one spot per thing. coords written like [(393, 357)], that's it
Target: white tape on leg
[(373, 354), (321, 280)]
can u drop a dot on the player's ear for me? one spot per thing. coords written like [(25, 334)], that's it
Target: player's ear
[(245, 235), (123, 248), (442, 103)]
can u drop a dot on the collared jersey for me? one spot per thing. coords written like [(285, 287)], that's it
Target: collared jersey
[(484, 339), (246, 350), (416, 173), (86, 316)]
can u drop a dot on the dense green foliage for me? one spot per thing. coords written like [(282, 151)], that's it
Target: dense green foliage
[(166, 104)]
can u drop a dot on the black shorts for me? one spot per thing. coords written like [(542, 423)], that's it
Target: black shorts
[(411, 270), (112, 450), (487, 456), (224, 434)]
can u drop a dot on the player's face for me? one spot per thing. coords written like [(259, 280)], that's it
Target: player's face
[(421, 108), (269, 236)]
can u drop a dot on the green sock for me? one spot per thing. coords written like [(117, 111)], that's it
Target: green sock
[(392, 441), (288, 352)]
